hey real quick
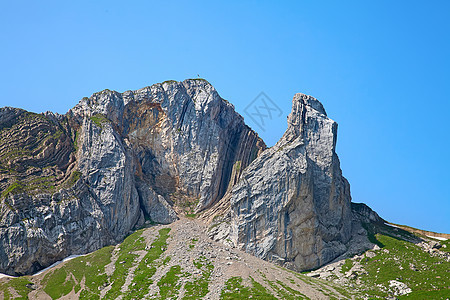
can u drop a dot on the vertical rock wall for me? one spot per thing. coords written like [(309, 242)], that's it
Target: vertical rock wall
[(292, 204)]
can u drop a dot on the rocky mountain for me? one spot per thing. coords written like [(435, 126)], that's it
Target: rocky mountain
[(210, 199), (72, 184)]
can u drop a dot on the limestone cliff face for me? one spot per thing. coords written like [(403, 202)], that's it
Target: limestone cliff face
[(185, 138), (74, 183), (292, 204)]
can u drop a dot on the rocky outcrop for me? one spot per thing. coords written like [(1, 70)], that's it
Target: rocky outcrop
[(365, 214), (74, 183), (186, 138), (58, 201), (36, 151), (292, 204)]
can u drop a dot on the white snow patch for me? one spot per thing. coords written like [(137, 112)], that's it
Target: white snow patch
[(391, 225), (4, 275), (42, 271), (57, 263), (437, 238)]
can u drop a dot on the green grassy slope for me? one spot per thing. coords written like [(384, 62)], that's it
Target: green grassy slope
[(401, 259), (130, 270)]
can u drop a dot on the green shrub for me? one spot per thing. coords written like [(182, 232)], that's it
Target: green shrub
[(99, 120), (15, 188)]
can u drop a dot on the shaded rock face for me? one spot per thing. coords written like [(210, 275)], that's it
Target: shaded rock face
[(292, 204), (365, 214), (89, 177)]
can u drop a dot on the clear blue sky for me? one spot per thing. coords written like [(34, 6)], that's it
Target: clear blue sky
[(381, 69)]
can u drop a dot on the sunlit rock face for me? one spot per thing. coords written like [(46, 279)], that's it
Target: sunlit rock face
[(91, 176), (73, 183), (292, 204)]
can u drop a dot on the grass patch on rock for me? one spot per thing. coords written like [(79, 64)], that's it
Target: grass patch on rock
[(405, 262), (19, 285), (58, 283), (147, 267), (192, 243), (235, 289), (347, 266), (99, 120), (125, 258), (168, 284), (199, 287)]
